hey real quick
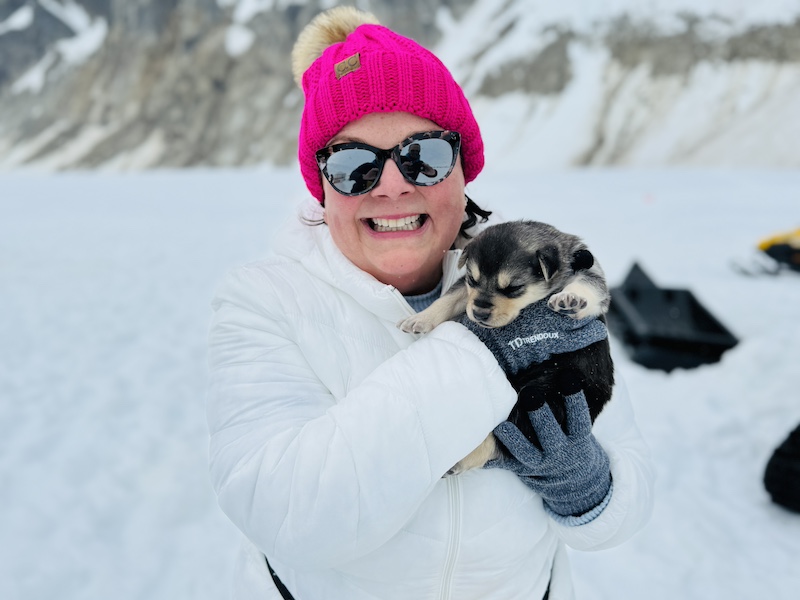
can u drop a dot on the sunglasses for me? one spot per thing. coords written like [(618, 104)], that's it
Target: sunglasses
[(424, 159)]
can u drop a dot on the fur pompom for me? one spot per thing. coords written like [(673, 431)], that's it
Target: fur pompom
[(326, 29)]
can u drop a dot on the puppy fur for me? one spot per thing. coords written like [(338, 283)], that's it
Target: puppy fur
[(509, 266)]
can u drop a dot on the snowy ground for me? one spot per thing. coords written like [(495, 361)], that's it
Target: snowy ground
[(105, 283)]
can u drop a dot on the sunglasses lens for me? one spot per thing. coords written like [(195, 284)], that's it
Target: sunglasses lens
[(424, 159), (352, 170), (427, 161)]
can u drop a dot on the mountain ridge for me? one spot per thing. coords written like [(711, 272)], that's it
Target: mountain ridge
[(143, 84)]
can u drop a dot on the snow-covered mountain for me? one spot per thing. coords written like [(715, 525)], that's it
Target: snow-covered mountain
[(127, 84)]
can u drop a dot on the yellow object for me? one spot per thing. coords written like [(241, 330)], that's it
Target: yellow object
[(791, 238)]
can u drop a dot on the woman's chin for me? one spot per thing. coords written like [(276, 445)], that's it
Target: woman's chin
[(411, 274)]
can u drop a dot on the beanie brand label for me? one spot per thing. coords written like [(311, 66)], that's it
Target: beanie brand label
[(348, 65)]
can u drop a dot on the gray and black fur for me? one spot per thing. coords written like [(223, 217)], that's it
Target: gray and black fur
[(508, 267)]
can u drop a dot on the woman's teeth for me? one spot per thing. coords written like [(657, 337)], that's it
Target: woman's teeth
[(404, 224)]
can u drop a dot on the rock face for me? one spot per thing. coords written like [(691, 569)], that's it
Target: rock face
[(129, 84)]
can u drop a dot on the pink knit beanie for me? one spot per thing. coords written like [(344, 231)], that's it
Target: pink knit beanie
[(372, 69)]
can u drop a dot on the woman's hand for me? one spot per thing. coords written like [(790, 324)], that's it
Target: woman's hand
[(571, 471)]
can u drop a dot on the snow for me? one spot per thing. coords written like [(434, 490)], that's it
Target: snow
[(12, 155), (741, 113), (535, 22), (76, 50), (72, 14), (90, 35), (530, 15), (33, 79), (72, 52), (245, 10), (718, 113), (545, 131), (18, 20), (666, 15), (147, 155), (724, 114), (105, 283), (79, 145), (238, 39)]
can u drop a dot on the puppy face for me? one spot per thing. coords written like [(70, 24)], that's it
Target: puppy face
[(504, 275), (495, 301)]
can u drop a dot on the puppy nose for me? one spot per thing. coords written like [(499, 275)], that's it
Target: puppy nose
[(482, 303), (481, 316)]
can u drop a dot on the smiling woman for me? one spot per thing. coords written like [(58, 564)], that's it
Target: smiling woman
[(397, 231), (331, 429), (388, 162)]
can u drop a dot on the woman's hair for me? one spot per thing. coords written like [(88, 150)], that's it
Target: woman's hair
[(473, 214)]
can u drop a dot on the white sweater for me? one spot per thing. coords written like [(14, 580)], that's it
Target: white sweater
[(331, 430)]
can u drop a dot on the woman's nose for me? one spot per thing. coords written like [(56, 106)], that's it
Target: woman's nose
[(392, 184)]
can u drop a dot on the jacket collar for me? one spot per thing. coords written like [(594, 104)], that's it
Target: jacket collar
[(313, 247)]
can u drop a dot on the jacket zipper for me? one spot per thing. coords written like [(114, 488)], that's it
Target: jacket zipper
[(454, 541), (451, 274)]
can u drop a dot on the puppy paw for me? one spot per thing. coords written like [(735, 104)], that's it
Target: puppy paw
[(416, 324), (457, 469), (569, 304)]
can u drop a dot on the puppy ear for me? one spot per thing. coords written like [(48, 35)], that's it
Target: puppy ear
[(462, 260), (582, 260), (546, 262)]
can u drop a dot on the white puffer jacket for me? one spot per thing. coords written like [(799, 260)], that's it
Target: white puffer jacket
[(331, 430)]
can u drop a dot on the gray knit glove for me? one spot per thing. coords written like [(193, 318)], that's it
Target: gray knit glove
[(571, 471), (535, 335)]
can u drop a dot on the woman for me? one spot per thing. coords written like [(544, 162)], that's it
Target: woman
[(332, 430)]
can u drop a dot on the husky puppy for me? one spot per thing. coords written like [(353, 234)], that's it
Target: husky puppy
[(521, 267)]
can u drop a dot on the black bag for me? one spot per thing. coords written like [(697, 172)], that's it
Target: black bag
[(782, 475)]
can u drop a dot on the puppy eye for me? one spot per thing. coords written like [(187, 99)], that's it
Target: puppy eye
[(471, 280), (512, 291)]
